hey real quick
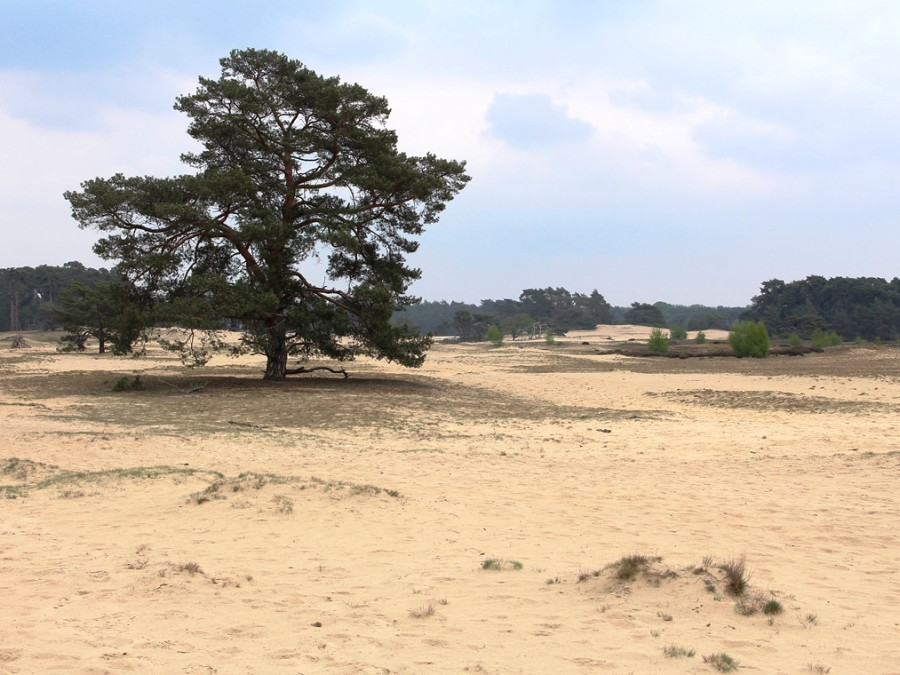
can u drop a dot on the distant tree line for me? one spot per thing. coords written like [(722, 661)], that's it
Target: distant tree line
[(863, 307), (557, 310), (86, 302), (29, 295)]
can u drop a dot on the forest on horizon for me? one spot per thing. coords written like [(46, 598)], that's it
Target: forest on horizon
[(867, 307)]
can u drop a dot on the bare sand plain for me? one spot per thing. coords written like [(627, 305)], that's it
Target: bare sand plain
[(465, 517)]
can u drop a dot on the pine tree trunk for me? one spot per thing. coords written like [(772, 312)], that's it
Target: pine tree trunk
[(276, 355)]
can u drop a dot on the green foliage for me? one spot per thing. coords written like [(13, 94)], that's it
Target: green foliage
[(518, 324), (849, 306), (699, 317), (642, 314), (29, 295), (471, 327), (794, 340), (111, 313), (500, 564), (659, 342), (701, 338), (292, 168), (549, 339), (750, 338), (676, 332), (494, 336), (124, 384), (822, 339)]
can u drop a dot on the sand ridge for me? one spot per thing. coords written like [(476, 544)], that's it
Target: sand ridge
[(343, 526)]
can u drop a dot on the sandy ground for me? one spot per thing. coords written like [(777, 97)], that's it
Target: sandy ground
[(373, 513)]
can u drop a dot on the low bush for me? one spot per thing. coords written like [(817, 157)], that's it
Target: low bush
[(677, 333), (750, 338), (494, 336), (659, 343), (821, 339)]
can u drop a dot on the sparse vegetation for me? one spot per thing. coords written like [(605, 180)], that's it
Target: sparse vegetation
[(721, 662), (677, 652), (735, 576), (191, 568), (500, 564), (772, 608), (628, 567), (422, 612), (124, 384)]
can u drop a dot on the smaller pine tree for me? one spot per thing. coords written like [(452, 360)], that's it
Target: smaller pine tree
[(659, 341), (750, 338), (494, 336)]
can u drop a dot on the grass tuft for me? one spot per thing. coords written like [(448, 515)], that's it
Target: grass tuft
[(736, 577), (676, 652), (628, 567), (422, 612), (500, 564), (721, 662), (191, 568)]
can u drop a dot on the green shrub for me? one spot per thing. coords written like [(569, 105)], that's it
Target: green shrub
[(494, 336), (677, 333), (794, 340), (750, 338), (701, 338), (658, 344), (124, 384), (548, 338), (821, 339)]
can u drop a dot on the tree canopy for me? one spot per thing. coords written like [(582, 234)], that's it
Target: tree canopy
[(295, 223), (865, 307), (29, 295), (103, 311)]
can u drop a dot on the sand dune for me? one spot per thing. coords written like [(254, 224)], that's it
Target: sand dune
[(465, 517)]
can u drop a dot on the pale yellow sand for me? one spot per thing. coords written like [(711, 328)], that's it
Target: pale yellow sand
[(558, 458)]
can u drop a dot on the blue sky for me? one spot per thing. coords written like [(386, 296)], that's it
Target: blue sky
[(677, 150)]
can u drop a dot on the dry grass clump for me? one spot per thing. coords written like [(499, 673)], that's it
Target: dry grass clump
[(736, 577), (191, 568), (422, 612), (500, 564), (629, 566), (721, 662), (677, 652)]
